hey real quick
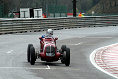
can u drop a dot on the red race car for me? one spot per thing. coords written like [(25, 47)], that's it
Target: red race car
[(48, 52)]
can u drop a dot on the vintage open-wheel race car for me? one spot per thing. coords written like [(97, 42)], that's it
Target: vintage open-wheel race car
[(48, 52)]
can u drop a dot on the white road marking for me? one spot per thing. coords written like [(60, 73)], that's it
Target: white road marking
[(33, 68), (36, 68), (9, 51), (76, 44), (48, 67), (98, 37)]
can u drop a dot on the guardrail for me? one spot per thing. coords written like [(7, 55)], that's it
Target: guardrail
[(25, 25)]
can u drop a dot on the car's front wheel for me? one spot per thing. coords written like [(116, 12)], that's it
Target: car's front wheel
[(67, 57), (28, 52), (32, 56)]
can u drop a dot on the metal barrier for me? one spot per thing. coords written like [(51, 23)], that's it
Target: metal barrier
[(25, 25)]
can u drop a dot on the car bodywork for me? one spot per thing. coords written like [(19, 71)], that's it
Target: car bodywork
[(48, 52)]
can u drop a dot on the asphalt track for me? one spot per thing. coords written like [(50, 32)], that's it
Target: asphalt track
[(82, 42)]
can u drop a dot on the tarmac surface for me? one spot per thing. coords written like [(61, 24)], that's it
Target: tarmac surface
[(82, 42)]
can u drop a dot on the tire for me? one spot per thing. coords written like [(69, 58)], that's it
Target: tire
[(67, 57), (62, 57), (63, 48), (32, 56), (28, 52)]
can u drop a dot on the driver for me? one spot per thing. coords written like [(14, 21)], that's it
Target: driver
[(49, 33)]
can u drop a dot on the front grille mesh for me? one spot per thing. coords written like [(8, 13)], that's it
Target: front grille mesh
[(50, 51)]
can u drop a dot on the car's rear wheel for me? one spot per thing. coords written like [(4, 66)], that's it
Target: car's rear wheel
[(67, 57), (63, 48), (32, 56), (28, 52)]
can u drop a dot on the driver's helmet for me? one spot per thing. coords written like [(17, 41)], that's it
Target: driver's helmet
[(49, 32)]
